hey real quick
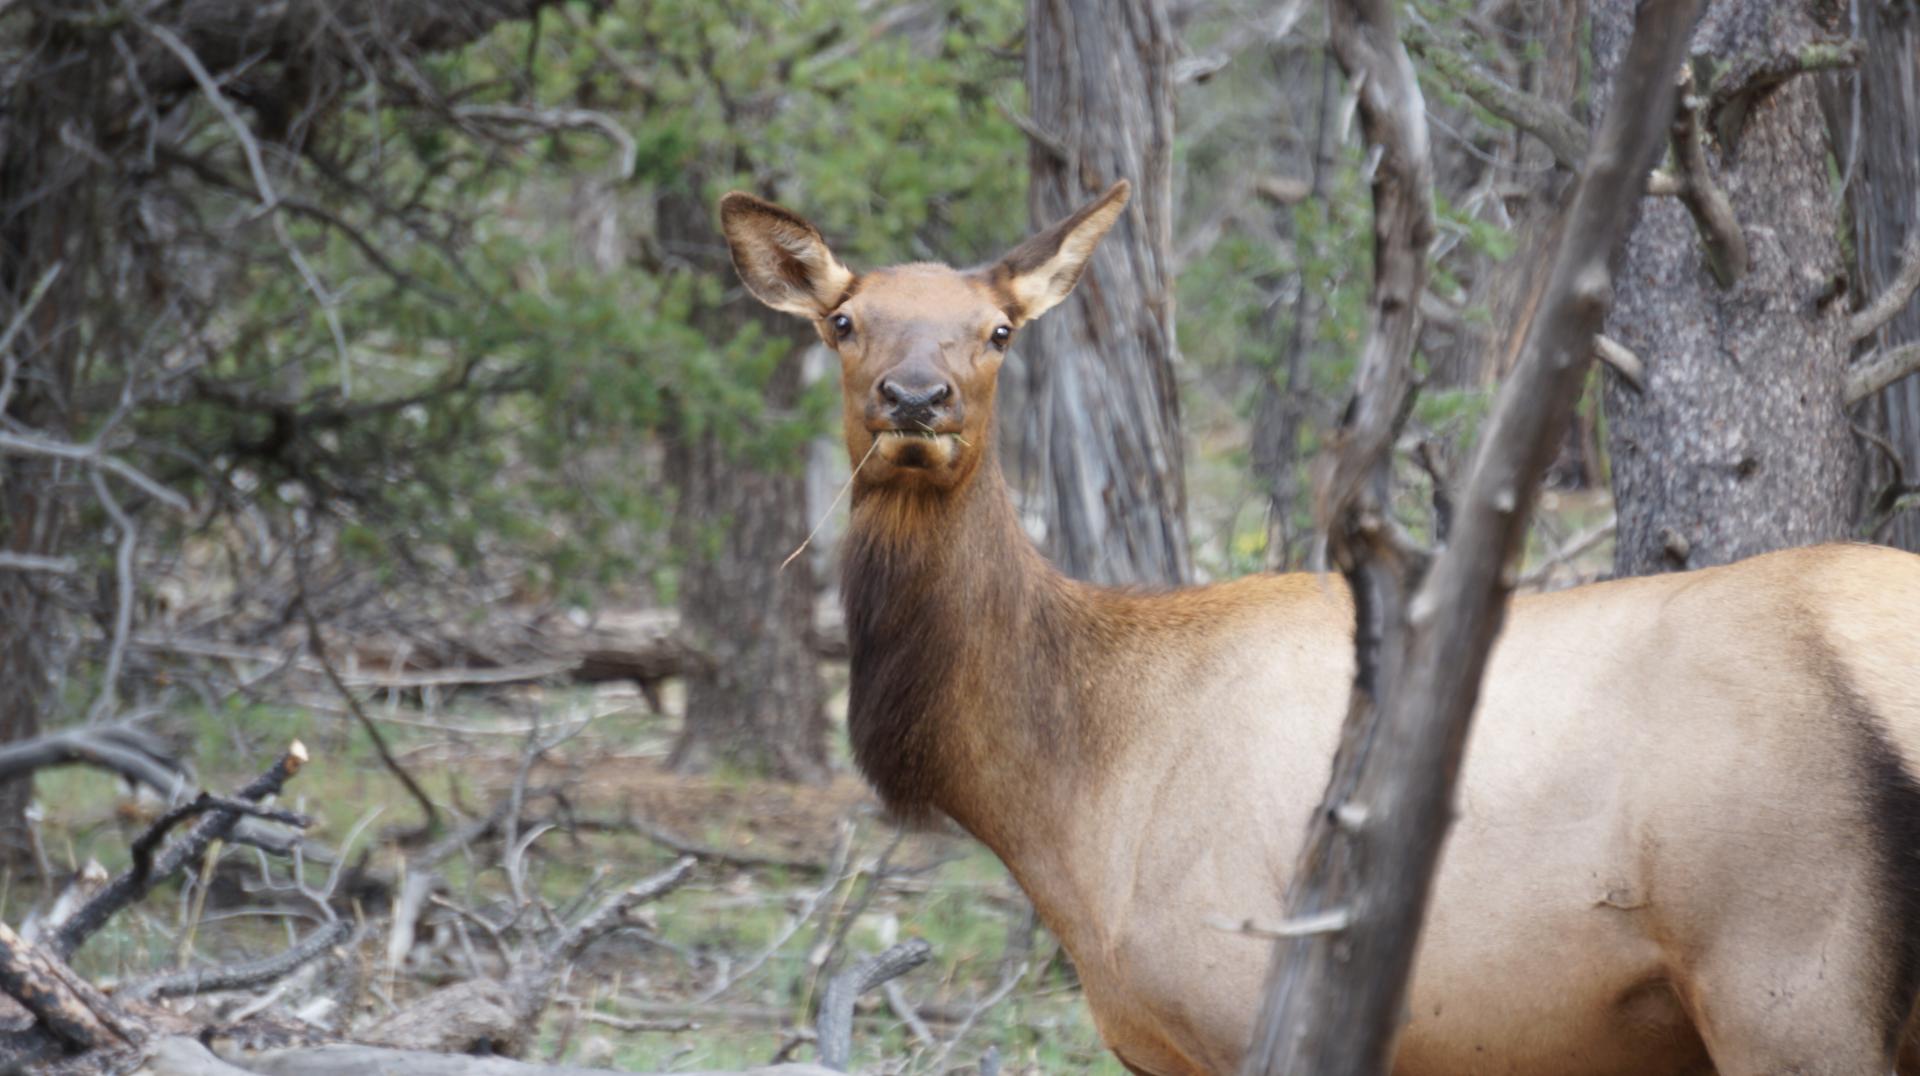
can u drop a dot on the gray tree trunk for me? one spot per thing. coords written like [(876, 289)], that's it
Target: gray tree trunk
[(1103, 416), (757, 703), (1740, 443), (47, 188), (1886, 203)]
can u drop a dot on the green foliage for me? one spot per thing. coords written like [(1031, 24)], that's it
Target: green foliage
[(506, 382)]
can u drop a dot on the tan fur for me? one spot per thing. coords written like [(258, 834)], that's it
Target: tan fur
[(1683, 822)]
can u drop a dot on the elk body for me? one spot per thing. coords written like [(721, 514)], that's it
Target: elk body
[(1689, 831)]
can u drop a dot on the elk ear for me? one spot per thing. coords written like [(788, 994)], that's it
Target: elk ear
[(781, 258), (1042, 271)]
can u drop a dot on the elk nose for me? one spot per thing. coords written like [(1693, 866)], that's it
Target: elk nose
[(917, 397)]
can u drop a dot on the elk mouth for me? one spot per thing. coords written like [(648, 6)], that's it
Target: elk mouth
[(917, 448)]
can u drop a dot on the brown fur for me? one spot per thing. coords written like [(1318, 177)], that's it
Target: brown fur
[(1688, 835)]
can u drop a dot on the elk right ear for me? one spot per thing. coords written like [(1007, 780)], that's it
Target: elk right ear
[(1040, 272), (781, 258)]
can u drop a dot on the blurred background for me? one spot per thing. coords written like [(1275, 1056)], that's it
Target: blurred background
[(375, 376)]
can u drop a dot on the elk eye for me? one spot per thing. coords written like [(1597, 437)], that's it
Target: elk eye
[(842, 326), (1001, 335)]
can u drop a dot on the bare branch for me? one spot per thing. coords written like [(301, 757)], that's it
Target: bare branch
[(560, 119), (133, 885), (1711, 209), (34, 562), (91, 453), (122, 749), (1746, 79), (317, 644), (240, 976), (1880, 369), (144, 845), (1334, 1000), (1887, 305), (835, 1026), (1556, 129), (609, 916), (1621, 361)]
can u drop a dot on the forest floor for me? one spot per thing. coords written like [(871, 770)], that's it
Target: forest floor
[(796, 882)]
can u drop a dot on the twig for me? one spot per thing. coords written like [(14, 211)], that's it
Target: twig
[(836, 873), (835, 1026), (908, 1015), (824, 516), (34, 562), (609, 915), (560, 119), (998, 994), (239, 976), (1579, 544), (123, 597), (269, 200), (33, 445), (216, 825), (1327, 922), (623, 1023), (318, 646)]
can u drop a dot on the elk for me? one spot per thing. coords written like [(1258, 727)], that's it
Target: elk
[(1688, 833)]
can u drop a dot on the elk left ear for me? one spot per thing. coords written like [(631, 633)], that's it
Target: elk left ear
[(781, 258), (1040, 272)]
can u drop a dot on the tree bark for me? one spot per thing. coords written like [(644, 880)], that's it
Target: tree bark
[(1740, 443), (49, 209), (1103, 416), (757, 703), (1885, 157)]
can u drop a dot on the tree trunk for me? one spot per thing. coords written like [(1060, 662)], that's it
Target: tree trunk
[(1886, 198), (1103, 413), (48, 198), (755, 701), (1740, 443)]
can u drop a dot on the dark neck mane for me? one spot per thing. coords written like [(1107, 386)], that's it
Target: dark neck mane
[(961, 636)]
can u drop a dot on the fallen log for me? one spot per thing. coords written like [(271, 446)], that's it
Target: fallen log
[(177, 1056)]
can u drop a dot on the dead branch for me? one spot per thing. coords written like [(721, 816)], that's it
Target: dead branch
[(835, 1026), (1880, 369), (1747, 78), (1564, 136), (1334, 999), (66, 1006), (1617, 358), (1712, 211), (215, 825), (239, 976), (144, 845), (350, 1060), (1887, 305), (1574, 548), (318, 646), (611, 914), (123, 748)]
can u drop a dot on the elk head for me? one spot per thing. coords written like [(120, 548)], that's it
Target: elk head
[(920, 344)]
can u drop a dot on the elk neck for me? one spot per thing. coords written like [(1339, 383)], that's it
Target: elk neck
[(972, 660)]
